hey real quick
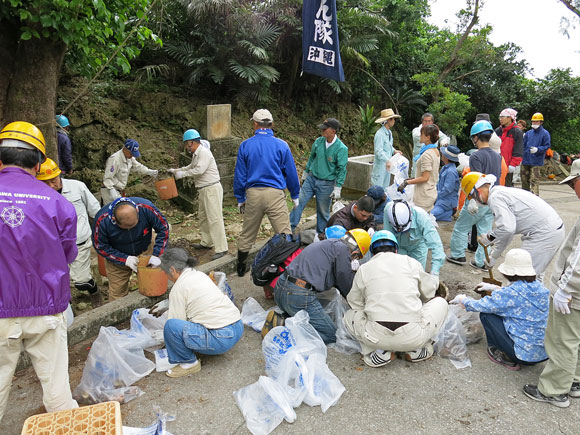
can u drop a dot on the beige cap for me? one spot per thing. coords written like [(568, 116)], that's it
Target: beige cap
[(574, 172), (262, 115), (385, 115)]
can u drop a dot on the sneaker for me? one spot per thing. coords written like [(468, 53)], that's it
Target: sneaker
[(179, 371), (218, 255), (273, 319), (533, 392), (379, 358), (421, 354), (499, 357), (575, 390), (200, 246), (460, 260), (475, 266)]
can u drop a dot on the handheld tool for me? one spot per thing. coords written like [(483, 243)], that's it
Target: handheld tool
[(491, 279)]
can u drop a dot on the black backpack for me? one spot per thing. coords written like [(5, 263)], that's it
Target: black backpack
[(269, 259)]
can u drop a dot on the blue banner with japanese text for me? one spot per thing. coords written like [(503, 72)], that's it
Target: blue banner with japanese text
[(320, 49)]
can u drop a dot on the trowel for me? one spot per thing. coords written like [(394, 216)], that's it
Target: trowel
[(491, 279)]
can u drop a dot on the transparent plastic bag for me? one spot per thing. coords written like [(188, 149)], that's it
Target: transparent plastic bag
[(157, 428), (393, 193), (146, 331), (110, 370), (322, 386), (162, 363), (399, 167), (474, 331), (345, 342), (253, 315), (222, 283), (451, 342)]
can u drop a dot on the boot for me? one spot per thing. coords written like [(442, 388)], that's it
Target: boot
[(242, 257), (89, 286)]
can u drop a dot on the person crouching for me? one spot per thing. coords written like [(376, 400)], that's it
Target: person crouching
[(394, 308), (201, 319)]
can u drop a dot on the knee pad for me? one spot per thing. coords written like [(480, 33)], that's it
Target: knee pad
[(89, 286)]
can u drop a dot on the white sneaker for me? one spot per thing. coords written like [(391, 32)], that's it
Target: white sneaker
[(420, 354), (379, 358)]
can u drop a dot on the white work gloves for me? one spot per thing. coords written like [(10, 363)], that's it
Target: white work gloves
[(484, 286), (159, 308), (435, 277), (487, 239), (371, 231), (154, 261), (491, 262), (354, 265), (472, 207), (241, 207), (459, 300), (511, 169), (132, 263), (296, 202), (304, 175), (179, 175), (335, 193), (533, 150), (561, 300)]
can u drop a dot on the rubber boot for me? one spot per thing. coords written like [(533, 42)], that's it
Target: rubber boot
[(242, 257)]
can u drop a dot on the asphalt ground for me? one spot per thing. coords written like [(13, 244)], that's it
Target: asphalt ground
[(429, 397)]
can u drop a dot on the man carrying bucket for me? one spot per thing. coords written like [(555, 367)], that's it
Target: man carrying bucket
[(122, 230), (206, 177)]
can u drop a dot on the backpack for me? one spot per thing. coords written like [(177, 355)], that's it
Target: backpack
[(268, 262)]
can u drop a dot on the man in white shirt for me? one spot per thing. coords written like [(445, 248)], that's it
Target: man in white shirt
[(426, 119), (206, 177), (117, 170), (86, 206)]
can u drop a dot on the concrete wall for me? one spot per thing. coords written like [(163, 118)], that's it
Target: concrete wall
[(358, 172)]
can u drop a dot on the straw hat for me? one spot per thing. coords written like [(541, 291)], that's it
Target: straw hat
[(385, 115)]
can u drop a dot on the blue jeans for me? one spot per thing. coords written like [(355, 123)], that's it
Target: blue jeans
[(322, 189), (183, 338), (292, 298), (483, 220), (498, 337)]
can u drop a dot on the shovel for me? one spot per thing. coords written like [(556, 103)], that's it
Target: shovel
[(491, 279)]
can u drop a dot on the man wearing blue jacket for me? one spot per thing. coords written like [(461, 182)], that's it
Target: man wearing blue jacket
[(122, 230), (264, 168), (536, 143)]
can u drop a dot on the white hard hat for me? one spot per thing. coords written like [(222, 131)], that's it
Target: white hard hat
[(517, 262), (399, 215)]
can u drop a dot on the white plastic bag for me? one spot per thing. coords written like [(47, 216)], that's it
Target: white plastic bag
[(222, 283), (345, 342), (399, 167), (146, 331), (253, 315), (264, 405), (393, 193), (474, 331), (110, 370), (69, 316), (322, 386), (157, 428), (337, 206), (162, 363), (451, 342)]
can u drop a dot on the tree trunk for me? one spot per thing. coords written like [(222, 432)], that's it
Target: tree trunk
[(8, 44), (33, 87)]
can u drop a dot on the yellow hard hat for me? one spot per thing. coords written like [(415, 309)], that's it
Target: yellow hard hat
[(362, 238), (25, 132), (48, 170), (469, 180), (537, 117)]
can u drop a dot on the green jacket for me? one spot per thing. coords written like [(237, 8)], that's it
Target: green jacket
[(328, 164)]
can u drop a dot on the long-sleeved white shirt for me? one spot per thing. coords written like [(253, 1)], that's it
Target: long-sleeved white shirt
[(86, 205), (391, 288), (202, 168), (118, 168), (195, 298), (517, 211)]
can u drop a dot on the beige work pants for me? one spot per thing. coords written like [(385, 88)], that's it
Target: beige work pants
[(80, 269), (412, 336), (48, 351), (119, 277), (262, 201), (211, 218)]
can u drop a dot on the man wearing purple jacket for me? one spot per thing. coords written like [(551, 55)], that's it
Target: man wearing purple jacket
[(38, 240)]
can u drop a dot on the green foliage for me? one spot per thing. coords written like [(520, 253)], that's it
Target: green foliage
[(368, 127), (92, 30)]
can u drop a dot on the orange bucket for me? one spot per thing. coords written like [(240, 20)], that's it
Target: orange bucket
[(152, 281), (102, 269), (167, 188)]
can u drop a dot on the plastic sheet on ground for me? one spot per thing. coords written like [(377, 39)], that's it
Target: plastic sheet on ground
[(295, 358), (451, 342), (345, 342), (253, 315)]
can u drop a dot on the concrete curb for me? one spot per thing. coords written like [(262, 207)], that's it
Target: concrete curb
[(88, 324)]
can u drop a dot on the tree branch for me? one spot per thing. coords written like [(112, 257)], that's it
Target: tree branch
[(569, 5)]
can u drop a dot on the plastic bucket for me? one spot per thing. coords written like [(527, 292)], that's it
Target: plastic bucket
[(152, 281), (167, 188), (102, 269)]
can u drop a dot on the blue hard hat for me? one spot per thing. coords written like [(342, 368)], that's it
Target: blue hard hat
[(62, 121), (334, 232), (191, 134), (383, 237), (479, 127)]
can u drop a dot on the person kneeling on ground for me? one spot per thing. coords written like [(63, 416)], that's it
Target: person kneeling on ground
[(201, 318), (514, 317), (321, 266), (394, 305)]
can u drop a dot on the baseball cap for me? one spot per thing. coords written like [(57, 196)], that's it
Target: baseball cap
[(574, 172), (330, 123), (133, 146), (262, 115)]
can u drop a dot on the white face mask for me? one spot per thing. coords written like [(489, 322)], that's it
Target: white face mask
[(535, 126)]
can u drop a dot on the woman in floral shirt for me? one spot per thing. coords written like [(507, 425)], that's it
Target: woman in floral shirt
[(514, 317)]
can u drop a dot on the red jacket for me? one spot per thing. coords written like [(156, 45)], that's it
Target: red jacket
[(512, 144)]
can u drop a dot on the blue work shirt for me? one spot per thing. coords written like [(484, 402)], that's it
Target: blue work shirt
[(265, 161), (448, 187), (539, 138)]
